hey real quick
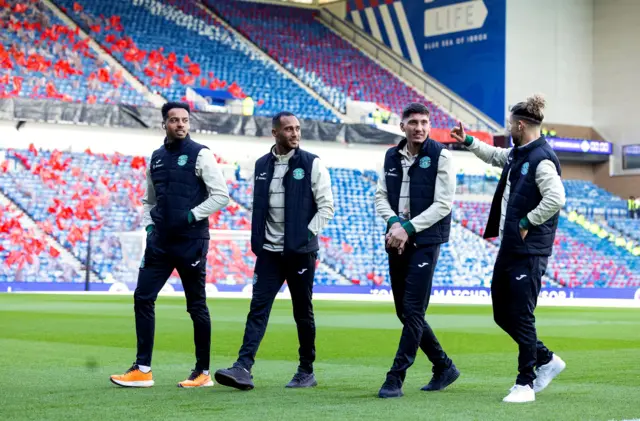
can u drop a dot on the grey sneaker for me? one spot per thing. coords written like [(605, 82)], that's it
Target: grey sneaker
[(236, 377), (302, 379)]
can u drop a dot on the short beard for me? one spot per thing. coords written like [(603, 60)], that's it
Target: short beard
[(516, 141)]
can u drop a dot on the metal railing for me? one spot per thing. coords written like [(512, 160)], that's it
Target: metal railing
[(432, 89)]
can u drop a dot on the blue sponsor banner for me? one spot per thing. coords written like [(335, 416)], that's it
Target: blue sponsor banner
[(631, 157), (598, 293), (631, 150), (561, 293), (461, 43), (595, 147)]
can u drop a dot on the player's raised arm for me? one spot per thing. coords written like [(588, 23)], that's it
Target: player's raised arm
[(492, 155), (524, 213)]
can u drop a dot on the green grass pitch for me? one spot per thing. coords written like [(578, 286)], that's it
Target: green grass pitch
[(57, 352)]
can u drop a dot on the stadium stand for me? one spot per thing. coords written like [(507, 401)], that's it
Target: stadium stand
[(589, 199), (174, 44), (353, 242), (583, 196), (608, 265), (69, 194), (321, 59), (73, 192), (476, 184), (629, 227), (40, 57), (25, 254)]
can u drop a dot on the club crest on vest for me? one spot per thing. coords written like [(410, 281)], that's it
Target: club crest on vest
[(298, 173), (182, 159), (425, 162), (525, 168)]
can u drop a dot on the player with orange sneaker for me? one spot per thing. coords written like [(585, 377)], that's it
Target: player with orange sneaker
[(184, 187)]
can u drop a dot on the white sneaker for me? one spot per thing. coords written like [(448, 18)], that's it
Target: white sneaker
[(520, 394), (547, 372)]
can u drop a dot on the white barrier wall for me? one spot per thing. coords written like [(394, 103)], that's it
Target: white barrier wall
[(616, 64), (549, 49)]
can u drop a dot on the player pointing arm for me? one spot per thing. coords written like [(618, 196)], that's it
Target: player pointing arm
[(524, 213)]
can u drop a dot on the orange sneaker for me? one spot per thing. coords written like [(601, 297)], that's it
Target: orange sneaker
[(197, 379), (133, 378)]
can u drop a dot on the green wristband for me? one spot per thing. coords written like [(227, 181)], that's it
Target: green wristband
[(468, 140), (409, 228)]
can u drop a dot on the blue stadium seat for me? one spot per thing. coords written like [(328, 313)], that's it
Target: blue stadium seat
[(323, 60), (38, 50), (181, 27), (352, 245)]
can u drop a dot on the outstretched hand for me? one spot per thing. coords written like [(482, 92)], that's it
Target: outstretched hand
[(458, 133)]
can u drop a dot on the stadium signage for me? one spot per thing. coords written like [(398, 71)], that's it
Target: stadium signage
[(580, 146), (344, 290), (434, 34), (631, 150), (454, 18)]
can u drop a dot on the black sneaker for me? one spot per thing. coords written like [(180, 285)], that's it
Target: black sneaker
[(302, 379), (391, 388), (236, 377), (442, 378)]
